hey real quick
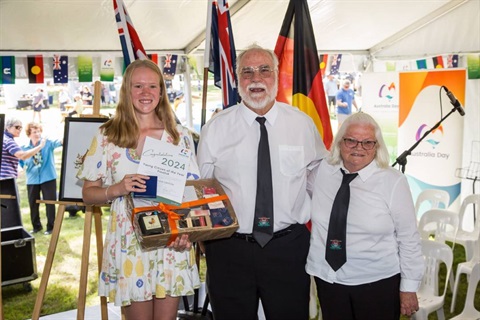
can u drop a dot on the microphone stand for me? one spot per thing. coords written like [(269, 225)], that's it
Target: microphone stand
[(402, 159)]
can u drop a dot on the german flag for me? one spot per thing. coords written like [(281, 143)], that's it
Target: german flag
[(300, 80), (35, 69)]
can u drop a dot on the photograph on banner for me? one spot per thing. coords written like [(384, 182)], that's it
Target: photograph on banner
[(422, 104), (380, 100)]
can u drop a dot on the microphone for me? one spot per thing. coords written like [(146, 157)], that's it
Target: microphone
[(455, 102)]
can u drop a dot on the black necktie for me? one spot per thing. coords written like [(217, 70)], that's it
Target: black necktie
[(336, 254), (263, 223)]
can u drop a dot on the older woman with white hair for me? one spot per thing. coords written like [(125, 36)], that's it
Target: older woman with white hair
[(11, 155), (365, 251)]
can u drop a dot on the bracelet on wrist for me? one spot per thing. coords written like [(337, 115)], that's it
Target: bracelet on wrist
[(106, 195)]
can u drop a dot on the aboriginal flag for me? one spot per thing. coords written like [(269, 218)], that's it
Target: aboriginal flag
[(438, 62), (300, 80), (35, 69)]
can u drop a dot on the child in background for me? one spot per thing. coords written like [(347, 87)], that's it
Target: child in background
[(78, 105)]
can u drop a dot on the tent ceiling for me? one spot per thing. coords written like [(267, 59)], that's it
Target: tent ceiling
[(382, 27)]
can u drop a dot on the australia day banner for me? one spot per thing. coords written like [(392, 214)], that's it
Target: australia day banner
[(107, 71), (433, 162), (380, 100)]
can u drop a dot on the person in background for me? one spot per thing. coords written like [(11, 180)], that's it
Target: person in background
[(180, 108), (37, 104), (243, 269), (331, 89), (63, 98), (41, 176), (78, 108), (384, 265), (146, 284), (345, 99), (87, 96), (11, 155)]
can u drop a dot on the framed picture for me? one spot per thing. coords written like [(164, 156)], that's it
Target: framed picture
[(77, 138), (2, 127)]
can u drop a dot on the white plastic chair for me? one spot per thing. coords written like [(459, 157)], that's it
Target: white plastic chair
[(468, 269), (429, 299), (465, 237), (469, 312), (439, 223), (436, 198)]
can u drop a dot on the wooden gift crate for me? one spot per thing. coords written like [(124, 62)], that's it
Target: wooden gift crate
[(200, 233)]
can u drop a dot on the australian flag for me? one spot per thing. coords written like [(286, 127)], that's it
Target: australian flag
[(222, 53), (131, 45), (60, 69), (336, 61), (170, 66)]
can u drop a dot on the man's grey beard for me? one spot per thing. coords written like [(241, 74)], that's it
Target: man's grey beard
[(258, 104)]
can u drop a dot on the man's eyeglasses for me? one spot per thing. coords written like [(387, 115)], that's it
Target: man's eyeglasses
[(249, 72), (18, 127), (366, 144)]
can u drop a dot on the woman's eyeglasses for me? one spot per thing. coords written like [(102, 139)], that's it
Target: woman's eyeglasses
[(18, 127), (353, 143)]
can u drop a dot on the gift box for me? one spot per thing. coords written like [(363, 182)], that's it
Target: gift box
[(208, 216)]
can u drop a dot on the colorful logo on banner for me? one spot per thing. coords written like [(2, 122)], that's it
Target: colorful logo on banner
[(433, 138), (388, 92), (107, 71)]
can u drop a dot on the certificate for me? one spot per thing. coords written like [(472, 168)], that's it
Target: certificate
[(170, 164)]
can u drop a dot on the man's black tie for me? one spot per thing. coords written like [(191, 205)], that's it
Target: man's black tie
[(336, 254), (263, 223)]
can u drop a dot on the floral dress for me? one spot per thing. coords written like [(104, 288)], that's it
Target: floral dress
[(128, 273)]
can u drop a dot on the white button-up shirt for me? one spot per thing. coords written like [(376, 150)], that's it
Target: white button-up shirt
[(382, 238), (228, 152)]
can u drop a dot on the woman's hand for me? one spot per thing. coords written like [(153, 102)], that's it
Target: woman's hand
[(132, 183), (181, 243), (408, 303)]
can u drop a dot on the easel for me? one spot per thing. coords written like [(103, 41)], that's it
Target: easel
[(90, 211), (2, 196)]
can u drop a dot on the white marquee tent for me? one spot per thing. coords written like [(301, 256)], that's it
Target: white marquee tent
[(380, 28), (368, 31)]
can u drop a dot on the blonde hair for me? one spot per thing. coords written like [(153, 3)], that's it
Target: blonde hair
[(123, 129)]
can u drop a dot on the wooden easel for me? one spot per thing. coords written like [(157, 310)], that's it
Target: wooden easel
[(90, 211)]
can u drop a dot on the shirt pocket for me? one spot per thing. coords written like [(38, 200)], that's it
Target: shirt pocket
[(291, 159)]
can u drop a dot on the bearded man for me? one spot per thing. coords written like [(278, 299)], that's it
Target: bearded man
[(262, 152)]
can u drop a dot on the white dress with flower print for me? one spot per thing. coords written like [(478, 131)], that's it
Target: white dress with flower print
[(128, 273)]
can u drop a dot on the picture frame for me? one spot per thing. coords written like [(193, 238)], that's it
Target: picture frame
[(2, 127), (77, 138)]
